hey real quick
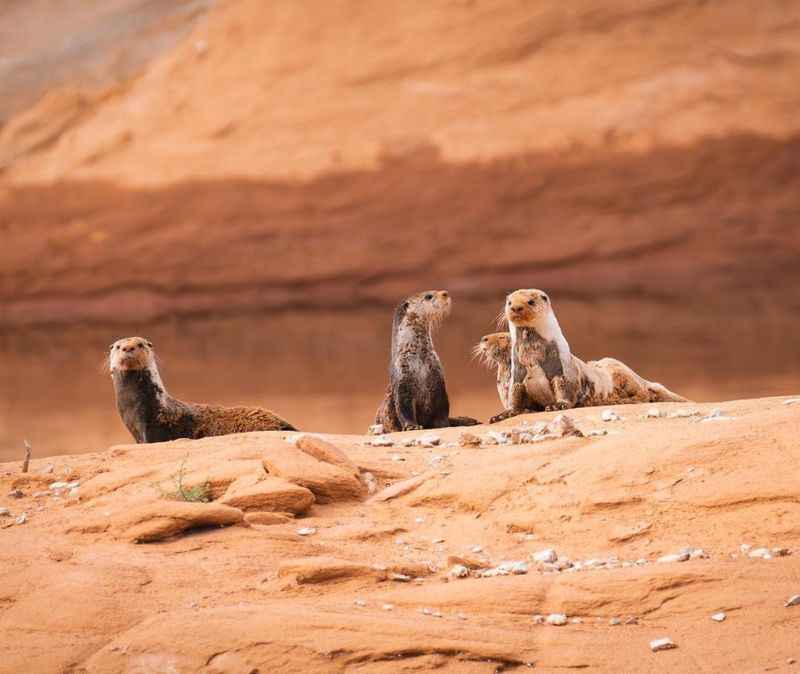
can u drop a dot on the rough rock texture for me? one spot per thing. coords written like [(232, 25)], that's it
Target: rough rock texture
[(371, 591), (165, 519), (328, 481), (268, 493)]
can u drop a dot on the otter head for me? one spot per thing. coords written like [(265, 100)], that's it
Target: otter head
[(432, 306), (494, 349), (527, 308), (131, 353)]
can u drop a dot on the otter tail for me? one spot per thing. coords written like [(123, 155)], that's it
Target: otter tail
[(661, 394), (463, 421)]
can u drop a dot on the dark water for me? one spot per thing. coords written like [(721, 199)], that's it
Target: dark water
[(327, 372)]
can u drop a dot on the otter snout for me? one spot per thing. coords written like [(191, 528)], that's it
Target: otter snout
[(130, 353)]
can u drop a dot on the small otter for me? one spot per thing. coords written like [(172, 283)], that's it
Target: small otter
[(495, 351), (152, 415), (546, 376), (417, 397)]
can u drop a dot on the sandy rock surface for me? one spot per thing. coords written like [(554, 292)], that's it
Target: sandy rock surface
[(570, 527)]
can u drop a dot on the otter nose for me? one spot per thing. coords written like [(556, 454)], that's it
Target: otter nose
[(516, 309), (128, 349)]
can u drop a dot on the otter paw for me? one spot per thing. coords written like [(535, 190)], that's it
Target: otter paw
[(412, 427), (557, 407)]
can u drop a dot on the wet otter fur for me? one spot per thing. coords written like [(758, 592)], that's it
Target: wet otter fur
[(546, 376), (417, 397), (494, 351), (152, 415)]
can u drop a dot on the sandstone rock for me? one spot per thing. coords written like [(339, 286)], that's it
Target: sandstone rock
[(324, 451), (164, 519), (469, 440), (328, 482), (471, 563), (312, 570), (273, 494), (663, 644), (399, 488), (267, 518)]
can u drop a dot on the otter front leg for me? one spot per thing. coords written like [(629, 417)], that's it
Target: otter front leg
[(406, 407), (562, 392), (517, 406)]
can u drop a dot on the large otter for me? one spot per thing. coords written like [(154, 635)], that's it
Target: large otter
[(546, 376), (152, 415), (495, 351), (416, 397)]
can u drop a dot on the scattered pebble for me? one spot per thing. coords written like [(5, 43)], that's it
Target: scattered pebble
[(698, 553), (24, 518), (596, 432), (781, 552), (429, 441), (548, 556), (371, 482), (387, 607), (615, 621), (576, 621), (400, 577), (381, 441), (663, 644), (794, 600), (609, 415), (716, 415), (376, 429), (790, 661), (683, 414), (538, 619), (676, 557), (16, 493), (55, 486), (745, 547), (307, 531), (719, 617), (458, 571), (41, 494), (437, 541), (5, 512), (476, 549), (360, 602), (653, 413), (760, 553), (556, 619), (633, 620), (47, 470), (469, 440), (791, 401)]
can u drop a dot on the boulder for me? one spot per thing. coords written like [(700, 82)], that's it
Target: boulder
[(272, 494)]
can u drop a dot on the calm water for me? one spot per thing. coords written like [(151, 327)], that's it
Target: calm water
[(327, 372)]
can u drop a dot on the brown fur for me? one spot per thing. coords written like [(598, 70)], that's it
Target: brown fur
[(152, 415), (495, 351), (546, 376)]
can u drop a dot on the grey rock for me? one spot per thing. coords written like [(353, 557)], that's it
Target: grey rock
[(663, 644)]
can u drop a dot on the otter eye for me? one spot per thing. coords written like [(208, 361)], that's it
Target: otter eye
[(428, 296), (149, 344), (531, 302), (485, 339), (544, 298)]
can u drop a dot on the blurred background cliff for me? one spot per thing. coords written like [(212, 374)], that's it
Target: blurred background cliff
[(254, 185)]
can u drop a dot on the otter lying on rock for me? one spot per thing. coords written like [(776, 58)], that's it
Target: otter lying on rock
[(546, 376), (417, 397), (152, 415)]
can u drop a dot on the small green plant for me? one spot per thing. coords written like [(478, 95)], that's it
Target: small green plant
[(199, 493)]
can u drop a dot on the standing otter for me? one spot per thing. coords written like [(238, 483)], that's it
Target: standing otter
[(546, 376), (416, 397), (495, 351), (152, 415)]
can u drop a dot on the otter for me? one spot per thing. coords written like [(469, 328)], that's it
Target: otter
[(152, 415), (495, 351), (416, 397), (546, 376)]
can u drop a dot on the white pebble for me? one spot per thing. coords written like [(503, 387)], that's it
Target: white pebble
[(791, 401), (429, 441), (609, 415), (596, 432), (653, 413), (760, 553), (376, 429), (576, 621), (683, 414), (360, 602), (307, 531), (476, 549), (615, 621), (719, 617), (556, 619), (663, 644), (794, 600), (677, 557), (538, 619), (458, 571), (387, 607), (381, 441), (22, 518), (548, 556), (58, 485), (5, 512)]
